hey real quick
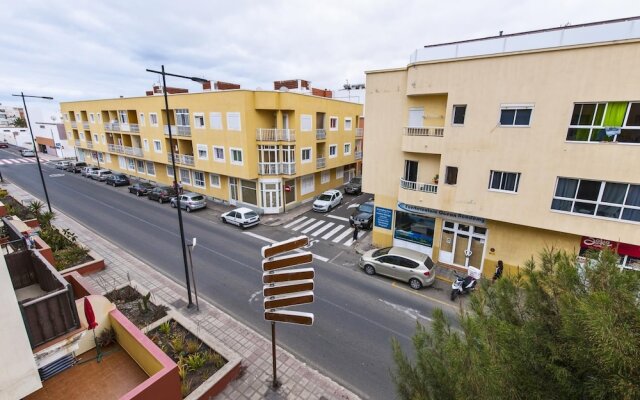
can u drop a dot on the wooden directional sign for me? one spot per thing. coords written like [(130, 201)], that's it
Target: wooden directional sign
[(274, 289), (288, 300), (289, 260), (290, 317), (285, 246), (297, 274)]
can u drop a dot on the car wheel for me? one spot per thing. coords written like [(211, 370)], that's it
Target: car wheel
[(415, 284), (138, 194), (369, 270), (454, 293), (173, 204), (188, 209), (224, 220), (160, 200)]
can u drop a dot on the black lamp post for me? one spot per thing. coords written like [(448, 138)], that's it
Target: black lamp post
[(35, 150), (173, 165)]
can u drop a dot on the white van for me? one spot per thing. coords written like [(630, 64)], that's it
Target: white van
[(27, 153)]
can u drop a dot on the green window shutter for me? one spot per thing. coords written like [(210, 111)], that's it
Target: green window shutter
[(615, 114)]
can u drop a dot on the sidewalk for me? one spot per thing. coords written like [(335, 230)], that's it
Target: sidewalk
[(299, 381)]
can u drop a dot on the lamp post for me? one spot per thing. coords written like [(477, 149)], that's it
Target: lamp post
[(173, 165), (35, 150)]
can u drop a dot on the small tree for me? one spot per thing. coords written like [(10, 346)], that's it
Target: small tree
[(19, 122), (558, 331)]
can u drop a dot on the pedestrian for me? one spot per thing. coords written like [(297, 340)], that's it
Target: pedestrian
[(498, 272), (1, 178), (355, 232)]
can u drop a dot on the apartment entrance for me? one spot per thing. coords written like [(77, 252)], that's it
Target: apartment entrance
[(462, 244), (270, 193), (233, 191)]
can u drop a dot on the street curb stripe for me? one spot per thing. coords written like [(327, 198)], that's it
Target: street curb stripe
[(338, 218)]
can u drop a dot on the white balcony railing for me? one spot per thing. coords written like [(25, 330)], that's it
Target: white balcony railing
[(288, 168), (85, 125), (424, 131), (321, 162), (321, 134), (418, 186), (89, 144), (275, 135), (112, 126), (269, 169), (358, 155), (74, 124), (77, 142), (188, 160), (134, 128), (359, 132), (178, 130), (132, 151)]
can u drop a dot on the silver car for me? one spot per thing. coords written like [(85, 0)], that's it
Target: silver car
[(189, 201), (399, 263)]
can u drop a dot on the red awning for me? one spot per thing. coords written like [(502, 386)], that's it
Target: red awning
[(623, 249)]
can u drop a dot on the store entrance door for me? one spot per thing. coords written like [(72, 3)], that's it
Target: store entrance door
[(462, 245)]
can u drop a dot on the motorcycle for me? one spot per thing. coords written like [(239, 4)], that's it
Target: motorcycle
[(462, 285)]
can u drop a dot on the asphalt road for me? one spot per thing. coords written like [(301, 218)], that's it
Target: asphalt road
[(355, 315)]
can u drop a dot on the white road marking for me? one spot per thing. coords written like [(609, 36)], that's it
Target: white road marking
[(324, 228), (332, 232), (254, 295), (302, 225), (266, 239), (312, 227), (343, 235), (410, 312), (354, 205), (338, 218), (295, 222), (350, 241)]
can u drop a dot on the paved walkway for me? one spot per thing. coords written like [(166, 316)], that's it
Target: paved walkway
[(299, 381)]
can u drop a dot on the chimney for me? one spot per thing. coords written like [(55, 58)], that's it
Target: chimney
[(206, 86), (219, 85), (322, 93)]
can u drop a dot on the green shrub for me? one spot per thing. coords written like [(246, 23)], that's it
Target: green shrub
[(70, 257), (165, 328), (107, 337), (196, 361)]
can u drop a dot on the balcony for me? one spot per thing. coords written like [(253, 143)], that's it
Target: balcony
[(112, 126), (418, 186), (115, 148), (269, 168), (321, 162), (77, 142), (135, 128), (275, 135), (74, 124), (288, 168), (358, 155), (428, 139), (85, 125), (132, 151), (89, 144), (359, 132), (178, 130), (182, 159), (321, 134)]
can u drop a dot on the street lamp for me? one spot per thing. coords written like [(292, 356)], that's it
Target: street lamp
[(35, 150), (173, 165)]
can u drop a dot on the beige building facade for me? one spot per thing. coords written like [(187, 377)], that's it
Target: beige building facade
[(269, 150), (492, 149)]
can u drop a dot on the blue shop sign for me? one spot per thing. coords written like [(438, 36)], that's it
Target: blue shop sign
[(383, 217)]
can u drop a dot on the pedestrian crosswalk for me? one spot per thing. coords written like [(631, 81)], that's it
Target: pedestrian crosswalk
[(17, 161), (331, 231)]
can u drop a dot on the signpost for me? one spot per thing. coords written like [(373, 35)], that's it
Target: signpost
[(284, 287)]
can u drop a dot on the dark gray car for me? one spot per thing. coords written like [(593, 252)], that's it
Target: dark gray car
[(354, 186), (363, 216)]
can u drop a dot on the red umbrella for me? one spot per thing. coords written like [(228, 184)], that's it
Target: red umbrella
[(89, 315)]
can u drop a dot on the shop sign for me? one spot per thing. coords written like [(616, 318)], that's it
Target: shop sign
[(450, 216), (383, 217), (623, 249)]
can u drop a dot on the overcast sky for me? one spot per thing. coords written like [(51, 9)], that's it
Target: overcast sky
[(75, 50)]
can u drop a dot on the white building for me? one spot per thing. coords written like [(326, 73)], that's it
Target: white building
[(51, 138), (18, 136), (8, 114)]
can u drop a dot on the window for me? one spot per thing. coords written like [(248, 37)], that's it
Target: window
[(515, 115), (145, 144), (333, 151), (101, 157), (215, 120), (108, 157), (218, 154), (458, 114), (347, 149), (153, 119), (96, 138), (236, 156), (233, 121), (99, 117), (325, 177), (92, 118), (198, 179), (185, 176), (339, 172), (414, 228), (151, 168), (198, 120), (104, 140), (248, 189), (157, 146), (613, 200), (410, 171), (82, 135), (141, 119), (347, 124), (305, 155), (123, 117), (140, 164), (504, 181), (214, 180), (203, 152), (170, 170), (123, 163), (305, 123), (605, 122), (333, 123), (307, 184), (451, 176), (182, 117), (132, 164)]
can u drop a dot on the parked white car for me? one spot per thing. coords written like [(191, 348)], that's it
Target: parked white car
[(62, 164), (243, 217), (327, 201), (27, 153)]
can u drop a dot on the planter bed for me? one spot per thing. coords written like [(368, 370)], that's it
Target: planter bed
[(130, 303)]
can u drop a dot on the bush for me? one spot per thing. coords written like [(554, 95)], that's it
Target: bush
[(107, 337), (70, 257)]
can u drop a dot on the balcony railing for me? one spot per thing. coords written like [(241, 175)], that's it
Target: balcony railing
[(89, 144), (178, 130), (74, 124), (132, 151), (321, 162), (424, 131), (275, 135), (269, 168), (359, 132), (182, 159), (134, 128), (418, 186), (112, 126), (358, 155), (85, 125), (321, 134), (288, 168), (77, 142)]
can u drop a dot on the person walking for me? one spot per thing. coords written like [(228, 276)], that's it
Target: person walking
[(355, 232), (498, 272)]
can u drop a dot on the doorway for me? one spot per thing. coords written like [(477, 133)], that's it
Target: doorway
[(233, 191), (270, 192), (462, 244)]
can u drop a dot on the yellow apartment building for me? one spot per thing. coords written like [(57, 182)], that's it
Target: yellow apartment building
[(264, 149), (491, 149)]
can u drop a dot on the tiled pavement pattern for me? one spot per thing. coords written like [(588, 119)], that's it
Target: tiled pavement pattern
[(299, 381)]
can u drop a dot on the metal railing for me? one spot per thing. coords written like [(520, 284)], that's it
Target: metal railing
[(418, 186), (182, 159), (275, 135), (359, 132), (134, 128), (89, 144), (132, 151), (424, 131), (288, 168), (321, 162), (269, 168), (321, 134), (74, 124), (77, 142), (85, 125), (358, 155), (112, 126), (178, 130)]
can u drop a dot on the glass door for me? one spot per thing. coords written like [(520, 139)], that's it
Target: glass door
[(270, 197), (462, 244), (233, 191)]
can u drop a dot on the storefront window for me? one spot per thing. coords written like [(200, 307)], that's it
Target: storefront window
[(249, 192), (414, 228)]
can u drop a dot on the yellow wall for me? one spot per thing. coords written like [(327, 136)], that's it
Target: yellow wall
[(149, 364)]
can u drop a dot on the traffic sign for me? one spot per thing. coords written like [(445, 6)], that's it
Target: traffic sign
[(290, 317), (287, 188), (273, 289), (285, 246), (297, 274), (290, 260), (288, 300)]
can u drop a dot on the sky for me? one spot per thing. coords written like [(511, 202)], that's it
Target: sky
[(77, 50)]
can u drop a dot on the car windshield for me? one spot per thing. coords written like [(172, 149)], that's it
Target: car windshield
[(428, 263), (368, 208), (324, 197), (381, 252), (197, 198), (147, 185), (356, 181), (250, 214), (106, 172)]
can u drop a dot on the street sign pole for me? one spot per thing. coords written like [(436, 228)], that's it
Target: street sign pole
[(273, 355)]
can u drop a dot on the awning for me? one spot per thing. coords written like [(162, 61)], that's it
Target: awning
[(623, 249)]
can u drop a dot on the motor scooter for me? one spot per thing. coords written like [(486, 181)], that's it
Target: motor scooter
[(462, 285)]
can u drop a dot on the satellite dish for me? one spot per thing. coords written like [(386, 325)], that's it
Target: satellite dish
[(284, 89)]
